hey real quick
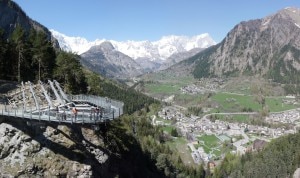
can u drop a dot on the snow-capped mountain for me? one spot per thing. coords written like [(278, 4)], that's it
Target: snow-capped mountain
[(77, 45), (157, 50)]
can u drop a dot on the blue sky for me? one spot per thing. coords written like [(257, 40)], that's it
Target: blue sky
[(148, 19)]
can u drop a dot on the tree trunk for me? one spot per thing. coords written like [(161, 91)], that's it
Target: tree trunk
[(19, 66)]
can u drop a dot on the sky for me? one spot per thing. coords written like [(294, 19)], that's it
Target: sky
[(138, 20)]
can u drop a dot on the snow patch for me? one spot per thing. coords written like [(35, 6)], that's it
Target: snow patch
[(266, 22), (297, 25), (292, 9)]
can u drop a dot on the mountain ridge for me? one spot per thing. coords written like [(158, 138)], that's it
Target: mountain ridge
[(157, 50)]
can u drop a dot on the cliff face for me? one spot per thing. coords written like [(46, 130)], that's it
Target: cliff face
[(36, 149), (47, 152), (12, 15)]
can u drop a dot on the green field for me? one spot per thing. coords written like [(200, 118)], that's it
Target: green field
[(276, 105), (165, 88), (235, 103), (180, 144), (165, 83), (211, 144), (209, 140), (188, 100), (168, 129), (234, 118)]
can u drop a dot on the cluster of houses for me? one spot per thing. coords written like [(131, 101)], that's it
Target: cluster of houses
[(289, 117), (203, 86), (199, 156), (193, 124), (192, 89)]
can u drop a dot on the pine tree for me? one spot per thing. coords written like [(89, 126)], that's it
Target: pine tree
[(18, 38), (43, 54), (69, 72)]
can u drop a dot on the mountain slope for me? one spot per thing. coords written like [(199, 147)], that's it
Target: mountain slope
[(178, 57), (12, 15), (268, 47), (106, 60)]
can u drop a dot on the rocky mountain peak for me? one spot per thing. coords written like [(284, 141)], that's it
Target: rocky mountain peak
[(104, 47), (107, 46), (290, 12), (285, 16)]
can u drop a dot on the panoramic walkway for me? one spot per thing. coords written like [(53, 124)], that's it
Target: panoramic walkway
[(48, 102)]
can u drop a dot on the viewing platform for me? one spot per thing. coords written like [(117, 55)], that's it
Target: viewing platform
[(48, 102)]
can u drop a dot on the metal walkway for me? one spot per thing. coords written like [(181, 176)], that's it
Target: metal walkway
[(49, 103)]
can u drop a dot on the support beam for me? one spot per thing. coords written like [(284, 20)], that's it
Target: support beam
[(34, 97), (24, 97), (55, 92), (62, 93), (46, 95)]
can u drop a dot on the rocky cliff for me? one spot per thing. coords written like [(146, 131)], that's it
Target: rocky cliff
[(47, 151)]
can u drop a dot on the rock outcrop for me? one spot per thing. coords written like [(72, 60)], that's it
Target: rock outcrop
[(47, 152)]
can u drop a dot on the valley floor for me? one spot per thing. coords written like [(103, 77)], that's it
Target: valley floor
[(219, 116)]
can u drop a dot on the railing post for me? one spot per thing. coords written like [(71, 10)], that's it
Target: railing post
[(49, 112), (82, 117)]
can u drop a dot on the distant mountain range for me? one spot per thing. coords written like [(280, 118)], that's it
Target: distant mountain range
[(267, 47), (157, 50), (131, 58)]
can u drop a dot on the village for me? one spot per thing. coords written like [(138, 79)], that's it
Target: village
[(203, 86), (240, 137)]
